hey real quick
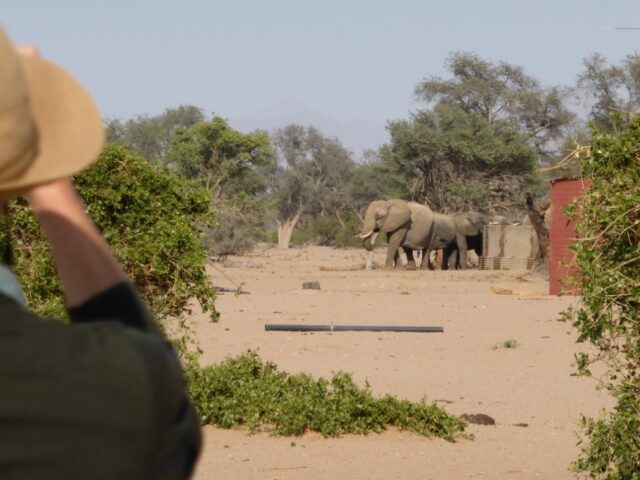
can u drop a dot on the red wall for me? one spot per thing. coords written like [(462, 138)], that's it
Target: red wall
[(562, 234)]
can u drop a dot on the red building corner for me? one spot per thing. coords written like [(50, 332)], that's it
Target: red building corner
[(562, 234)]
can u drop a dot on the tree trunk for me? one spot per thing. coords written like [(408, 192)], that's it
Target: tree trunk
[(285, 229), (536, 215)]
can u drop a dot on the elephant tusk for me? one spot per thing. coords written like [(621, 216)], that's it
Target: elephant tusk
[(364, 236)]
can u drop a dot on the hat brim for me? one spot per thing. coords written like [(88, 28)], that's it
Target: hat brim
[(69, 126)]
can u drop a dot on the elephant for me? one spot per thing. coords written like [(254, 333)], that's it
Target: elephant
[(412, 226), (442, 235), (455, 234), (469, 234), (408, 225)]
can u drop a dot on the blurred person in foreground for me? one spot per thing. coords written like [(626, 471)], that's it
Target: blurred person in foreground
[(104, 397)]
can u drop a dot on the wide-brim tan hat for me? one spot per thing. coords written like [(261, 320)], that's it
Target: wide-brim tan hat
[(50, 128)]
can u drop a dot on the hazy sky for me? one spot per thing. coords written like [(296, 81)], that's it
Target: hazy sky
[(350, 59)]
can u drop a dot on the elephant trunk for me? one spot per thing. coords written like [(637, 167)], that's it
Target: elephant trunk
[(368, 240), (367, 243), (368, 235), (369, 224)]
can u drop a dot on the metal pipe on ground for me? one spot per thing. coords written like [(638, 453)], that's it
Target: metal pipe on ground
[(272, 327)]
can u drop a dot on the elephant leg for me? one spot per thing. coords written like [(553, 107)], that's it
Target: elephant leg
[(392, 258), (450, 257), (411, 262), (394, 240), (369, 264), (475, 243), (397, 263), (462, 251), (454, 259), (426, 260)]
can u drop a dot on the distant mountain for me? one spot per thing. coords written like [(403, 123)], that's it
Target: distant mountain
[(356, 135)]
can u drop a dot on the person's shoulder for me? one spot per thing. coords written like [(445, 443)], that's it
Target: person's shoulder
[(15, 317)]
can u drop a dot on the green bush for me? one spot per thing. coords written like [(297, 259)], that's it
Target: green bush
[(608, 261), (348, 236), (328, 231), (245, 392), (271, 235), (241, 223), (149, 219)]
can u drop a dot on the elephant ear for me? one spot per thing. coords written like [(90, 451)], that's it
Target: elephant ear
[(398, 213), (470, 223)]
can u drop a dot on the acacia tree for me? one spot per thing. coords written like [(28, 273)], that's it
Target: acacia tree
[(502, 92), (219, 157), (481, 137), (611, 94), (288, 182), (311, 178), (234, 167), (372, 180), (611, 89), (446, 157), (151, 136)]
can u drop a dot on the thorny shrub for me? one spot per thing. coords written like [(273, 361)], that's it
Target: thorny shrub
[(149, 218), (244, 392), (608, 262)]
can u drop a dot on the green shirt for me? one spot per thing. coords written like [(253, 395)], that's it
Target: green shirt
[(102, 398)]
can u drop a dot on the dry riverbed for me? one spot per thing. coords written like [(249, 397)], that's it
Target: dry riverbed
[(507, 356)]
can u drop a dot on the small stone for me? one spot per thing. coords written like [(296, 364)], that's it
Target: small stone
[(293, 444), (478, 418), (522, 424), (315, 285)]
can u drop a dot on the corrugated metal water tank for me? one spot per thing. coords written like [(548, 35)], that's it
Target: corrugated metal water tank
[(508, 247)]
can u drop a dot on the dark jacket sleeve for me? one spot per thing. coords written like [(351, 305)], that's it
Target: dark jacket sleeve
[(118, 303), (176, 426)]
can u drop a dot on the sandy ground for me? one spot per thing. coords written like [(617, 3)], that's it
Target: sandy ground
[(529, 390)]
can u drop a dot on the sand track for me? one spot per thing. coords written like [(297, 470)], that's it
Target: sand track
[(466, 368)]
